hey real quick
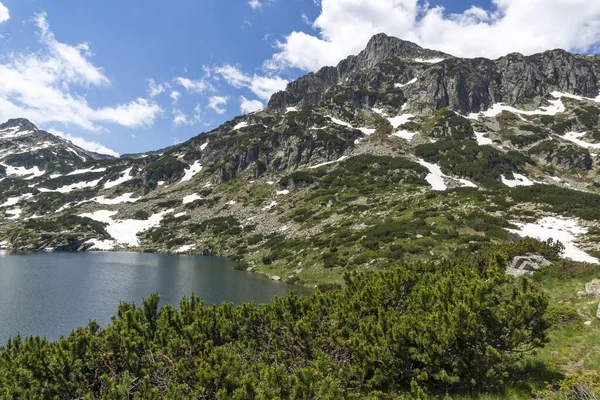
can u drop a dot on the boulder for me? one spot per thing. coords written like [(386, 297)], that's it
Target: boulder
[(593, 288), (527, 264)]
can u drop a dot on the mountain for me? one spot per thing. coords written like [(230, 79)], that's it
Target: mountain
[(398, 152)]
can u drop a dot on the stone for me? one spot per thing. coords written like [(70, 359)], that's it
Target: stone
[(276, 278), (527, 264), (593, 288)]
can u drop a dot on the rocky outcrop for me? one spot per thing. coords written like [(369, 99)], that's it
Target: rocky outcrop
[(593, 288), (526, 265), (463, 85)]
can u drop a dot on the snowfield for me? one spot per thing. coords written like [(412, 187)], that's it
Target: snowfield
[(191, 198), (562, 229), (520, 180), (575, 137), (126, 176), (435, 177), (125, 231), (191, 171), (482, 140)]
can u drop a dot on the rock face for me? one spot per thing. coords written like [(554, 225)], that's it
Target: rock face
[(463, 85), (526, 265), (593, 288)]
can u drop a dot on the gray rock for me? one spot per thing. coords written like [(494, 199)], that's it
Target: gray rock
[(527, 264), (593, 288), (598, 312)]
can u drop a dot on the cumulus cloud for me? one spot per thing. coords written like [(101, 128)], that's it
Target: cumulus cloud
[(248, 106), (194, 86), (344, 27), (262, 86), (180, 118), (215, 103), (175, 95), (255, 4), (155, 89), (40, 86), (4, 14), (85, 144)]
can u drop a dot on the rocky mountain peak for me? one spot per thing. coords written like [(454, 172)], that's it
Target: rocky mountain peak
[(22, 123), (382, 47)]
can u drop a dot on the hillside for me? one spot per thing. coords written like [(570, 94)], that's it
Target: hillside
[(396, 153)]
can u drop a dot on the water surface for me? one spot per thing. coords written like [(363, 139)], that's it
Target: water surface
[(50, 294)]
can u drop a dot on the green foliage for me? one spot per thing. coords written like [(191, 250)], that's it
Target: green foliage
[(141, 215), (446, 123), (418, 328), (483, 164), (562, 201)]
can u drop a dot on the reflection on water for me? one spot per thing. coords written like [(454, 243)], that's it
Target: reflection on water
[(50, 294)]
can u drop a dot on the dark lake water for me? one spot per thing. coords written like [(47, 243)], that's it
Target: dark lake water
[(50, 294)]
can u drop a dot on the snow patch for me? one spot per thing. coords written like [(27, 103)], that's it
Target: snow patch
[(126, 176), (575, 137), (400, 120), (342, 158), (482, 140), (555, 107), (435, 177), (270, 206), (401, 85), (11, 201), (185, 248), (240, 126), (191, 171), (191, 198), (125, 231), (70, 188), (291, 109), (124, 198), (16, 213), (430, 60), (519, 180), (85, 171), (283, 192), (202, 147), (30, 173), (101, 245), (562, 229)]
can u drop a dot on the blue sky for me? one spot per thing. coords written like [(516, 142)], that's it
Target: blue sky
[(140, 75)]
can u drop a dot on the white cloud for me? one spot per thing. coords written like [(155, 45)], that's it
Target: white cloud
[(215, 102), (4, 14), (198, 86), (255, 4), (248, 106), (85, 144), (180, 118), (261, 86), (154, 88), (345, 26), (40, 86), (175, 95)]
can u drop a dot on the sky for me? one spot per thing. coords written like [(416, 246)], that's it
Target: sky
[(118, 76)]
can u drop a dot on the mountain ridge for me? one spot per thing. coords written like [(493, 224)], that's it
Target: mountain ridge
[(382, 157)]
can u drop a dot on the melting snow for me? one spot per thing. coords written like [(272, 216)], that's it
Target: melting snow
[(556, 178), (555, 107), (16, 213), (240, 126), (126, 176), (191, 198), (339, 122), (191, 171), (467, 183), (400, 120), (401, 85), (435, 177), (342, 158), (124, 198), (125, 231), (280, 192), (291, 109), (31, 173), (102, 245), (181, 214), (575, 138), (482, 140), (185, 248), (561, 229), (430, 60), (70, 188), (203, 146), (520, 180), (11, 201), (273, 204), (85, 171)]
